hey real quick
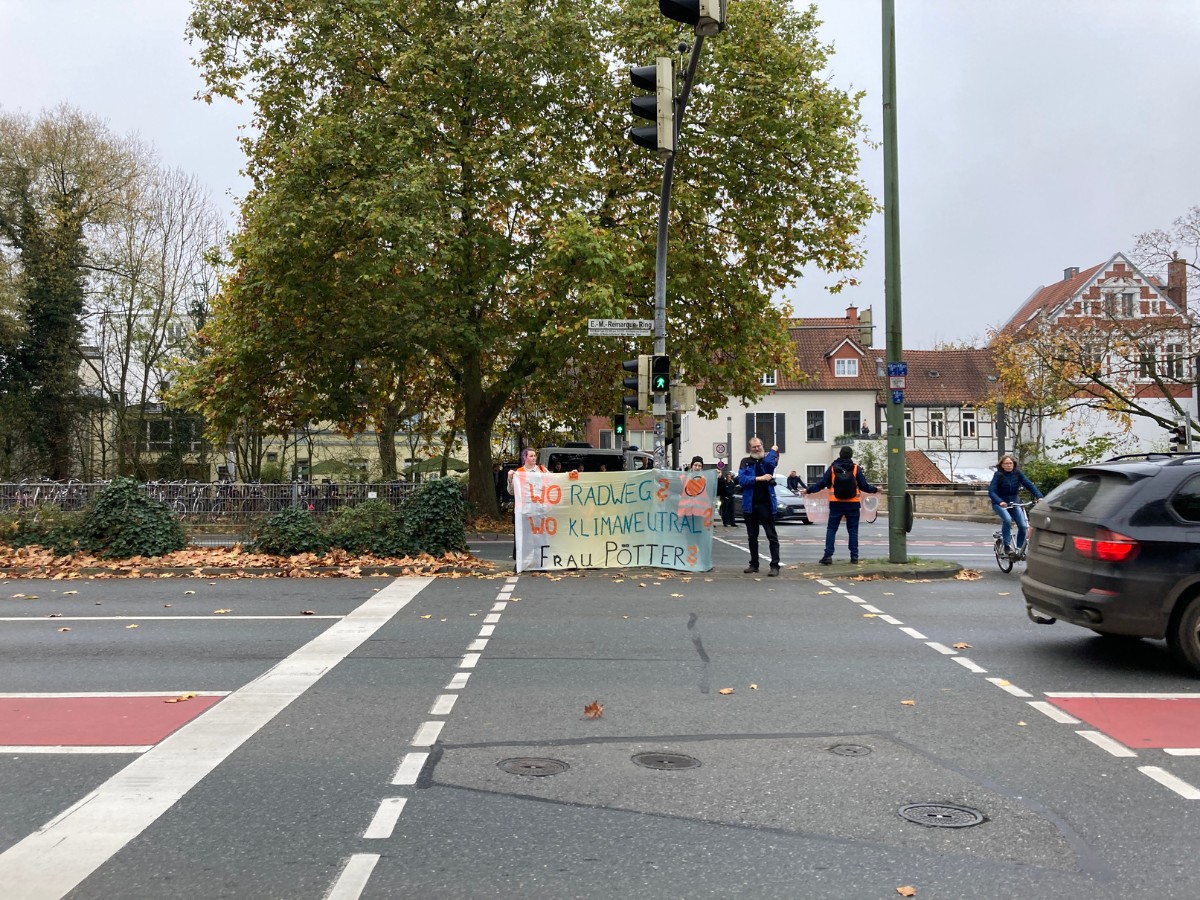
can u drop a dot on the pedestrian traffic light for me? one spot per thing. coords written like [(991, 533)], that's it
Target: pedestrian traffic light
[(660, 375), (708, 16), (658, 106), (640, 382), (619, 425)]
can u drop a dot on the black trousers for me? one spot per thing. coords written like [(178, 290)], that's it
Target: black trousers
[(761, 516)]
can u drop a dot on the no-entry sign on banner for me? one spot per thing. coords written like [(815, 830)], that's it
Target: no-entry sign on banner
[(611, 520)]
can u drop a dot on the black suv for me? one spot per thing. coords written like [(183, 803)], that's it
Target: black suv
[(1116, 548)]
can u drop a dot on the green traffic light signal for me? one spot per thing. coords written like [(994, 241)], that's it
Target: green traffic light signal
[(660, 374), (619, 425)]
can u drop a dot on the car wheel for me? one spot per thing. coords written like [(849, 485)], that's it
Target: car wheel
[(1183, 634)]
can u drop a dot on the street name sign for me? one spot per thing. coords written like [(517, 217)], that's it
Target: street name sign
[(620, 327)]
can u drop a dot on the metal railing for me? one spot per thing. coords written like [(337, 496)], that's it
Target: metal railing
[(196, 502)]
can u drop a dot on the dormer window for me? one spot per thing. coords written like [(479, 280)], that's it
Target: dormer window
[(845, 368), (768, 379)]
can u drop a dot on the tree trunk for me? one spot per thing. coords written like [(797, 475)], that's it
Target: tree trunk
[(385, 435), (480, 410)]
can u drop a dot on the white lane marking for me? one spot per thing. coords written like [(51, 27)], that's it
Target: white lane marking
[(17, 749), (891, 620), (491, 618), (1009, 688), (1104, 742), (443, 704), (458, 681), (427, 734), (825, 581), (468, 661), (487, 630), (354, 877), (1054, 712), (913, 633), (1167, 780), (62, 853), (384, 822), (512, 579), (206, 617), (105, 694), (855, 599), (477, 644), (498, 607), (1182, 751), (968, 664), (941, 648), (410, 768), (872, 609), (839, 590), (1193, 696)]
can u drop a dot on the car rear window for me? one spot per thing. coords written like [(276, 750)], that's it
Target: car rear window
[(1089, 492), (1186, 501)]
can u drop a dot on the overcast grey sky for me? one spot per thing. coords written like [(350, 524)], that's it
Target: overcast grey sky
[(1033, 134)]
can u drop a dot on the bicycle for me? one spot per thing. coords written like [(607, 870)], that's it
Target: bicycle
[(1004, 559)]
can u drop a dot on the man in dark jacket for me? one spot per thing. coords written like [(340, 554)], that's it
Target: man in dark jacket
[(847, 484), (756, 475)]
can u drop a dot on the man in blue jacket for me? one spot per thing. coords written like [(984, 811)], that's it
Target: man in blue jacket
[(847, 484), (756, 475)]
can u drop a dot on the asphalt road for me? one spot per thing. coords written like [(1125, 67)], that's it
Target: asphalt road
[(346, 737)]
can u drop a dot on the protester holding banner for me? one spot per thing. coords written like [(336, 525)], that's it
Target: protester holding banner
[(756, 475), (529, 464), (847, 484)]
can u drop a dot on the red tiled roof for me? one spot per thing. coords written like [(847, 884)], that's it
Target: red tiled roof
[(920, 469), (949, 377), (1048, 298)]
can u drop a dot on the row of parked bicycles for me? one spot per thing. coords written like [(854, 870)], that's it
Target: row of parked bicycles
[(219, 501)]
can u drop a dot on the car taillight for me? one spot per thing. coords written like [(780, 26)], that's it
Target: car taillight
[(1107, 546)]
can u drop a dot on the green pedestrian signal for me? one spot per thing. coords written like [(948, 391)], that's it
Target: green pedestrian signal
[(660, 375), (619, 425)]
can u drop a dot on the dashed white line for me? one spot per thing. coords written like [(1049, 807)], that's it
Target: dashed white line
[(410, 768), (1104, 742), (855, 599), (1053, 712), (468, 661), (968, 664), (497, 607), (491, 618), (443, 705), (872, 609), (487, 630), (1182, 751), (891, 620), (1009, 688), (478, 644), (840, 590), (941, 648), (354, 877), (1167, 780), (384, 822), (427, 734), (458, 682), (913, 633)]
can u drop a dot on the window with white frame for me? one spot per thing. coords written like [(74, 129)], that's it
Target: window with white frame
[(968, 424), (845, 368), (769, 427), (1173, 362), (1127, 304), (908, 423), (815, 425), (937, 423), (1145, 361), (768, 379)]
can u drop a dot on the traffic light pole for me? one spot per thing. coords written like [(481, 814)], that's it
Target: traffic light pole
[(660, 251)]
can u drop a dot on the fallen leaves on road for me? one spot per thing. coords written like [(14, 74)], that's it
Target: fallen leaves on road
[(753, 687), (221, 612), (908, 702), (961, 645), (968, 575), (69, 593), (870, 615), (594, 710), (131, 626), (181, 698), (64, 629), (309, 612), (906, 891), (725, 691)]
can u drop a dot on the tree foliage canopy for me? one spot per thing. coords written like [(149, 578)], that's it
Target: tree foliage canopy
[(443, 194)]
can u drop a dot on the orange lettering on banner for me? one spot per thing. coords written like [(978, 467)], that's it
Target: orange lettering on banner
[(663, 487), (693, 554), (550, 494), (547, 524), (708, 517)]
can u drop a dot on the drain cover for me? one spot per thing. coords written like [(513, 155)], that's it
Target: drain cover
[(941, 815), (850, 750), (670, 761), (531, 765)]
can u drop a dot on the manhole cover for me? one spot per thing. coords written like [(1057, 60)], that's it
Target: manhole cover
[(665, 761), (850, 750), (941, 815), (531, 765)]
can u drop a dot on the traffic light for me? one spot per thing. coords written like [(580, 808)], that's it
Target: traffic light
[(708, 16), (658, 106), (1178, 438), (660, 375), (619, 426), (639, 383)]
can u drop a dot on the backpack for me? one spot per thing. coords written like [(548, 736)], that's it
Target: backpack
[(845, 483)]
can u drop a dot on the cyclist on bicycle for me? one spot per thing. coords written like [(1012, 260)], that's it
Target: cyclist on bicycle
[(1004, 493)]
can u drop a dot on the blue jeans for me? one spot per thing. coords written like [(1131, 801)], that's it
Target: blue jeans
[(1006, 523), (837, 511)]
